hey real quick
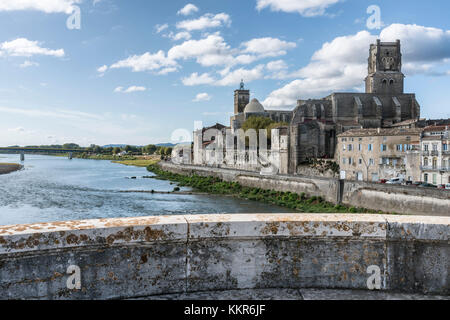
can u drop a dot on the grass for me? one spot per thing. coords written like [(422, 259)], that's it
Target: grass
[(296, 202), (139, 162)]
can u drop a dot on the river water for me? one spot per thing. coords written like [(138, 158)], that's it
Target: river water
[(57, 189)]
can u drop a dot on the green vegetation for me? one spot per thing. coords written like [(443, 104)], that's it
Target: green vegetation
[(259, 123), (106, 153), (300, 203), (139, 162)]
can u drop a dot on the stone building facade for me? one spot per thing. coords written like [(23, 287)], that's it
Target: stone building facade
[(435, 157), (374, 154)]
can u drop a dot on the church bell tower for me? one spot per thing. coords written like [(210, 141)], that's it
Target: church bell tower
[(385, 69), (241, 98)]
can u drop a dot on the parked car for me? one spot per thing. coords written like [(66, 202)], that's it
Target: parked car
[(427, 185), (447, 186), (416, 183), (395, 181), (441, 186), (407, 183), (383, 181)]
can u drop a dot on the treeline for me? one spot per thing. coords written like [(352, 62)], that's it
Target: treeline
[(150, 149)]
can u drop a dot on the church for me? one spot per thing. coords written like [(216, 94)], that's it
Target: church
[(314, 124)]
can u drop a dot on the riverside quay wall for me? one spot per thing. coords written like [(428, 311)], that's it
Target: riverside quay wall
[(375, 196), (150, 256)]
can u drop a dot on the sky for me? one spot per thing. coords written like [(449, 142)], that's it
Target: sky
[(147, 71)]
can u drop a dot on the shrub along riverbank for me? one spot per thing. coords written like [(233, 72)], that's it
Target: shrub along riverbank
[(298, 202), (9, 167)]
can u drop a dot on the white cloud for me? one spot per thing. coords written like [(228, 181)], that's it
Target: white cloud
[(29, 63), (47, 6), (146, 62), (268, 47), (341, 64), (234, 77), (419, 43), (210, 51), (202, 97), (188, 10), (22, 47), (53, 113), (307, 8), (206, 21), (161, 27), (130, 89), (102, 69), (196, 79), (276, 65), (183, 35), (18, 129)]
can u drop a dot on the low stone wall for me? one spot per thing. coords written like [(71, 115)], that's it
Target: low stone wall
[(323, 187), (393, 198), (388, 198), (140, 257)]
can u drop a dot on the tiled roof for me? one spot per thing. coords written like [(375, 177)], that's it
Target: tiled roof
[(381, 132)]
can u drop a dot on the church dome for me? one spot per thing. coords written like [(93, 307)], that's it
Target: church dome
[(254, 107)]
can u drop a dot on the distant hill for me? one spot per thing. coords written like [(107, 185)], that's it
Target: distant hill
[(165, 145), (119, 146)]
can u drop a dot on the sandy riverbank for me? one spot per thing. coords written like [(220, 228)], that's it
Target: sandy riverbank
[(9, 167)]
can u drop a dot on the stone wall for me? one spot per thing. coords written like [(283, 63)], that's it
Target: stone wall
[(142, 257), (388, 198)]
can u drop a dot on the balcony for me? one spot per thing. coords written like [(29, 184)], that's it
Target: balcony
[(435, 169)]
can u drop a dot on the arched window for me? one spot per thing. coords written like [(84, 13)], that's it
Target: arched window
[(425, 162), (435, 161), (425, 177), (391, 82), (384, 81)]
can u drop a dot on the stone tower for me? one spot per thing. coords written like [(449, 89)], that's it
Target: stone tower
[(241, 98), (385, 69)]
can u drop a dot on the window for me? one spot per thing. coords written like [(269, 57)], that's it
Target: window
[(350, 160), (445, 147), (343, 147), (371, 162), (359, 147), (370, 147), (350, 147), (425, 177), (344, 160), (425, 162), (435, 147), (435, 163), (425, 147), (360, 161), (383, 148), (434, 178), (399, 147)]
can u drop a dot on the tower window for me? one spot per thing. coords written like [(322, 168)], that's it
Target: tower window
[(391, 82), (384, 81)]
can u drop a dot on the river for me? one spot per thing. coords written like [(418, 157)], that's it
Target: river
[(57, 189)]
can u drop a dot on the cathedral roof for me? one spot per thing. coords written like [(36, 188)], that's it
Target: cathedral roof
[(254, 107)]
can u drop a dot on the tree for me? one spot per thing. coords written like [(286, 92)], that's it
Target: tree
[(260, 123), (150, 149), (116, 150)]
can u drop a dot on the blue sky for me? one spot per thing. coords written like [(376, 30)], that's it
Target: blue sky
[(138, 70)]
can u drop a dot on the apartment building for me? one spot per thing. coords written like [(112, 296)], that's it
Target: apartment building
[(374, 154), (435, 164)]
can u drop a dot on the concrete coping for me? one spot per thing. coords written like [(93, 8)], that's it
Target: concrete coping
[(126, 231)]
